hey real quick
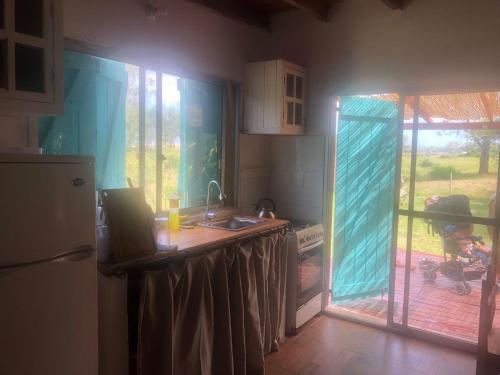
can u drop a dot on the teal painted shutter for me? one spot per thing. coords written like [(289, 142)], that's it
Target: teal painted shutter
[(93, 122), (364, 188), (201, 139)]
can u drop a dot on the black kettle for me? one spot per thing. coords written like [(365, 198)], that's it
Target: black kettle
[(263, 211)]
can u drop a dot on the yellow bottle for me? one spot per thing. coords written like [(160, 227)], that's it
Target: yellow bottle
[(173, 214)]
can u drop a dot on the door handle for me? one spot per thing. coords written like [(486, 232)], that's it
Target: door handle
[(75, 254)]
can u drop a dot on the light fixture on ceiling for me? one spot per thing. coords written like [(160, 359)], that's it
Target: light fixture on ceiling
[(155, 8)]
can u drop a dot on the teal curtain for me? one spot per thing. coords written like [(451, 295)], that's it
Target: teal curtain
[(364, 191), (201, 119), (93, 122)]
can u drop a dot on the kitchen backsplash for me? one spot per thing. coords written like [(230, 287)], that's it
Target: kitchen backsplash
[(297, 183), (287, 169)]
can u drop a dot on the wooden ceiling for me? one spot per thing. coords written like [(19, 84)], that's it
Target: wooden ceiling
[(259, 12)]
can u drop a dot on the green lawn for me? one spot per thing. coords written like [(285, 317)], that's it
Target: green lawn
[(170, 173), (433, 178), (465, 180)]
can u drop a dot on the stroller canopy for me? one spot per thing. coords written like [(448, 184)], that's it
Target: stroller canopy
[(452, 204)]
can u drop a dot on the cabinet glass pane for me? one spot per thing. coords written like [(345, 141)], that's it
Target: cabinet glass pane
[(290, 85), (2, 14), (3, 64), (298, 87), (29, 67), (29, 17), (289, 113), (298, 114)]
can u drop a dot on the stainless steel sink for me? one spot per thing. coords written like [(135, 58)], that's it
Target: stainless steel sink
[(233, 223)]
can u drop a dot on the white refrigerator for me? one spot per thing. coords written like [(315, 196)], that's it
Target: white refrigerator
[(48, 275)]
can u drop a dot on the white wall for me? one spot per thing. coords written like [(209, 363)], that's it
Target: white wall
[(188, 38), (367, 47)]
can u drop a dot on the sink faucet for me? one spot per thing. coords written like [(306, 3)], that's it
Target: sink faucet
[(222, 199)]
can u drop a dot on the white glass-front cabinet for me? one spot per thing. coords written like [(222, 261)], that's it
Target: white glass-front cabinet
[(31, 57), (274, 97)]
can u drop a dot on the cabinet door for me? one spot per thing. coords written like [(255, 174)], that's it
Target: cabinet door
[(294, 100), (27, 52)]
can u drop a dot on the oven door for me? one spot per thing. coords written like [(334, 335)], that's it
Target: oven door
[(310, 272)]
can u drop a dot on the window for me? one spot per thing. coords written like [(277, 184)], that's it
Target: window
[(174, 139), (146, 128)]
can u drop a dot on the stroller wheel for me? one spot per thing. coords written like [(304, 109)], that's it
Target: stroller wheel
[(462, 289), (429, 276)]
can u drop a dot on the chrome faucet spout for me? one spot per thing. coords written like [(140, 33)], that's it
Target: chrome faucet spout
[(222, 198)]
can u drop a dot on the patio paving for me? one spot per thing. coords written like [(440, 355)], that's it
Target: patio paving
[(433, 307)]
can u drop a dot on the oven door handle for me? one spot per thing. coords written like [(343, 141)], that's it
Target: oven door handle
[(310, 247)]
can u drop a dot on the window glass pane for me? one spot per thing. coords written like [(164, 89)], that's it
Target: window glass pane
[(30, 68), (132, 125), (3, 64), (2, 14), (101, 118), (404, 191), (457, 162), (448, 265), (29, 17), (289, 113), (201, 140), (406, 152), (94, 117), (290, 85), (399, 270), (298, 114), (171, 142), (298, 87), (150, 139)]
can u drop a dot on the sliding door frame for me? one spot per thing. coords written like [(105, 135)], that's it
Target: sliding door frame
[(410, 213)]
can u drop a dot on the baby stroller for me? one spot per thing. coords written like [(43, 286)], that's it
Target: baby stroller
[(459, 266)]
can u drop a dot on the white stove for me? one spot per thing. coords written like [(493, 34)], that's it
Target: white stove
[(304, 275)]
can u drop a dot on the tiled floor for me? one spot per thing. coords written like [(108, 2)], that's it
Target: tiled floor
[(433, 306), (328, 346)]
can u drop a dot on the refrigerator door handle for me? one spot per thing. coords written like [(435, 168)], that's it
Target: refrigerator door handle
[(75, 254)]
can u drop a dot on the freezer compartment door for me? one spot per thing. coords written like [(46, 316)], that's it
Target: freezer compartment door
[(46, 209), (48, 319)]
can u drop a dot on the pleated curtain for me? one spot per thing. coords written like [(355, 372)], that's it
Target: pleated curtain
[(216, 313)]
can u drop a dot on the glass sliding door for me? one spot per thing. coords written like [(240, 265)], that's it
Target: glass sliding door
[(449, 154)]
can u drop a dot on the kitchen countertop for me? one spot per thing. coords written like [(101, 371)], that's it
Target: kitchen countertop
[(193, 241)]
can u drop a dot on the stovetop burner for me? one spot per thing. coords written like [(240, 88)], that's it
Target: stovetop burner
[(296, 225)]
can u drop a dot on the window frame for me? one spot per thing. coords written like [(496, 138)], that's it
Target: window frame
[(231, 118)]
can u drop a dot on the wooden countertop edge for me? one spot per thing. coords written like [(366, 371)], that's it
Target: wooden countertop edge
[(193, 242)]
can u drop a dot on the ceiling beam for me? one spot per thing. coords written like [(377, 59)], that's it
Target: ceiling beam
[(238, 10), (318, 8), (395, 4)]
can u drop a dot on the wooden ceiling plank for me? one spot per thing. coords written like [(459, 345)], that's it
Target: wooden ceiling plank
[(239, 11), (318, 8), (394, 4)]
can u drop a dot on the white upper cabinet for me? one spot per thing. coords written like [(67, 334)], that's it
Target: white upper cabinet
[(31, 57), (274, 97)]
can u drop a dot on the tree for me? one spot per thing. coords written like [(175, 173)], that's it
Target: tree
[(483, 139)]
